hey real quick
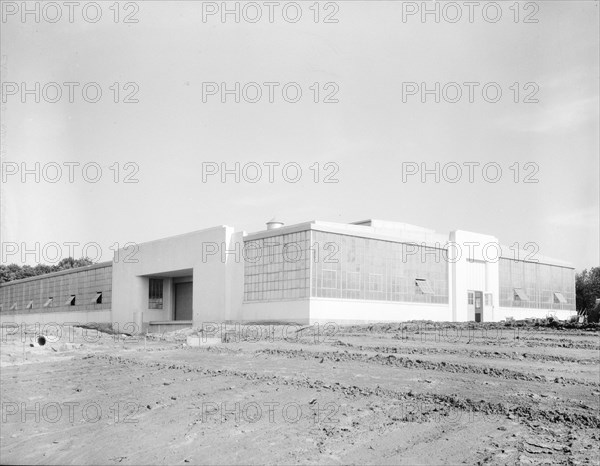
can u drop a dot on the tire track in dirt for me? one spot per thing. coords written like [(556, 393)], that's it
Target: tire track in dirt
[(400, 361), (438, 404), (480, 353)]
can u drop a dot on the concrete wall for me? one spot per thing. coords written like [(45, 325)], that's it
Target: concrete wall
[(296, 311), (465, 274), (350, 311), (519, 313), (202, 253), (63, 318)]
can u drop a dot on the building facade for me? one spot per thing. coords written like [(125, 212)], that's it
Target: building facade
[(369, 271)]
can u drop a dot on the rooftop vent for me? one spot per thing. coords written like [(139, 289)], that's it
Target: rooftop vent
[(273, 224)]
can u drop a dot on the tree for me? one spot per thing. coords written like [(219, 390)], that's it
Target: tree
[(11, 272), (587, 290)]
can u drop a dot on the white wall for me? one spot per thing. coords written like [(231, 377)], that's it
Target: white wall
[(74, 317), (465, 274), (349, 311), (213, 298), (296, 311), (519, 313)]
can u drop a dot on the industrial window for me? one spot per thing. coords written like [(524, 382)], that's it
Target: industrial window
[(330, 279), (488, 299), (424, 286), (471, 302), (155, 293), (70, 301), (13, 307), (98, 298), (49, 302), (29, 305), (520, 295), (398, 285), (353, 281), (375, 282), (559, 298)]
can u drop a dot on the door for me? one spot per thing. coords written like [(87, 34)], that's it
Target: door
[(183, 301), (470, 306), (478, 306)]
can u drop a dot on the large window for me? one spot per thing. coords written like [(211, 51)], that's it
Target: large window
[(535, 285), (278, 268), (155, 293), (374, 269)]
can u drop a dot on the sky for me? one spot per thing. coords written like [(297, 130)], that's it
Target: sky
[(361, 147)]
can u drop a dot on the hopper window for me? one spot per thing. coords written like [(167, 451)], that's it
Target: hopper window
[(520, 295), (70, 301), (559, 298), (98, 298), (424, 286), (49, 302)]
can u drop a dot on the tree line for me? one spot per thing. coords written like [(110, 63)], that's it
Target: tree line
[(11, 272)]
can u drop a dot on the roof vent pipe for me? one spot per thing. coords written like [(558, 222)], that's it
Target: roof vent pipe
[(274, 224)]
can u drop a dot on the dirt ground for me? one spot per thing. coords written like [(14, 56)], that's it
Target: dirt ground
[(371, 394)]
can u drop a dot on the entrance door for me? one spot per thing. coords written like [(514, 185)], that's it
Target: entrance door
[(470, 306), (478, 306), (183, 301)]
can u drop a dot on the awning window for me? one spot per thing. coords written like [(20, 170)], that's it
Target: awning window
[(520, 295), (559, 298), (29, 305), (70, 301), (48, 303), (424, 286), (98, 298)]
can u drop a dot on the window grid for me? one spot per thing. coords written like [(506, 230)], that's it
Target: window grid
[(370, 269), (278, 268), (538, 285)]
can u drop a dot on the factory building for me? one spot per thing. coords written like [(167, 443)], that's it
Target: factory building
[(368, 271)]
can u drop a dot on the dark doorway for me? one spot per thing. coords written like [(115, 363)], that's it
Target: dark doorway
[(478, 306), (183, 301)]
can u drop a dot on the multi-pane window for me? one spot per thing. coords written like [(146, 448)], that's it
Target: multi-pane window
[(278, 268), (155, 293), (56, 293), (424, 286), (536, 285), (371, 269), (488, 299)]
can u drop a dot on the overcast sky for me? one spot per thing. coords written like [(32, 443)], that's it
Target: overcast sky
[(371, 136)]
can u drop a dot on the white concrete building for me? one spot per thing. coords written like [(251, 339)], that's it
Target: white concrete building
[(368, 271)]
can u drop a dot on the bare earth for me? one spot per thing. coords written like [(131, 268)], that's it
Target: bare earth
[(354, 395)]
